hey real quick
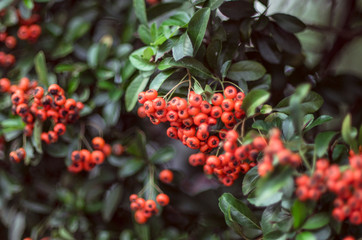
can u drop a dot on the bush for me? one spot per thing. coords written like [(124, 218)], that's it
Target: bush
[(266, 143)]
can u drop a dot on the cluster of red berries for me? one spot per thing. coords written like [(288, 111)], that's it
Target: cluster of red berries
[(28, 30), (346, 185), (87, 160), (276, 148), (30, 101), (235, 159), (17, 155), (191, 121), (144, 209)]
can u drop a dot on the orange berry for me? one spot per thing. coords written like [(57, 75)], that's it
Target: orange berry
[(162, 199), (166, 176), (98, 143)]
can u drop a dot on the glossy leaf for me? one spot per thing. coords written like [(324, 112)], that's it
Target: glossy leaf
[(322, 142), (320, 120), (316, 221), (250, 180), (311, 103), (111, 201), (138, 61), (253, 99), (348, 133), (137, 85), (132, 166), (163, 155), (197, 27), (236, 211), (237, 10), (289, 23), (41, 68), (182, 48), (246, 70), (157, 82)]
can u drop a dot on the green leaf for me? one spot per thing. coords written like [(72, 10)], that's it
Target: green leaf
[(163, 155), (197, 27), (246, 70), (76, 28), (137, 85), (182, 48), (144, 34), (237, 212), (225, 68), (140, 11), (311, 103), (17, 226), (35, 138), (253, 99), (288, 23), (162, 8), (195, 67), (316, 221), (250, 180), (237, 10), (138, 61), (29, 4), (305, 236), (65, 234), (268, 188), (322, 142), (41, 68), (285, 40), (160, 78), (111, 201), (348, 133), (360, 136), (111, 113), (131, 167), (320, 120), (58, 150), (268, 50), (300, 211), (5, 3)]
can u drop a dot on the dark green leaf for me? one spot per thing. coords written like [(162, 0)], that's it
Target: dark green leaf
[(137, 85), (236, 211), (268, 50), (131, 167), (182, 48), (111, 201), (253, 99), (163, 155), (316, 221), (237, 10), (17, 227), (197, 27), (268, 188), (41, 68), (311, 103), (246, 70), (36, 140), (162, 8), (322, 142), (285, 40), (213, 52), (111, 113), (320, 120), (59, 150), (65, 234), (250, 179), (160, 78), (288, 23), (195, 67)]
